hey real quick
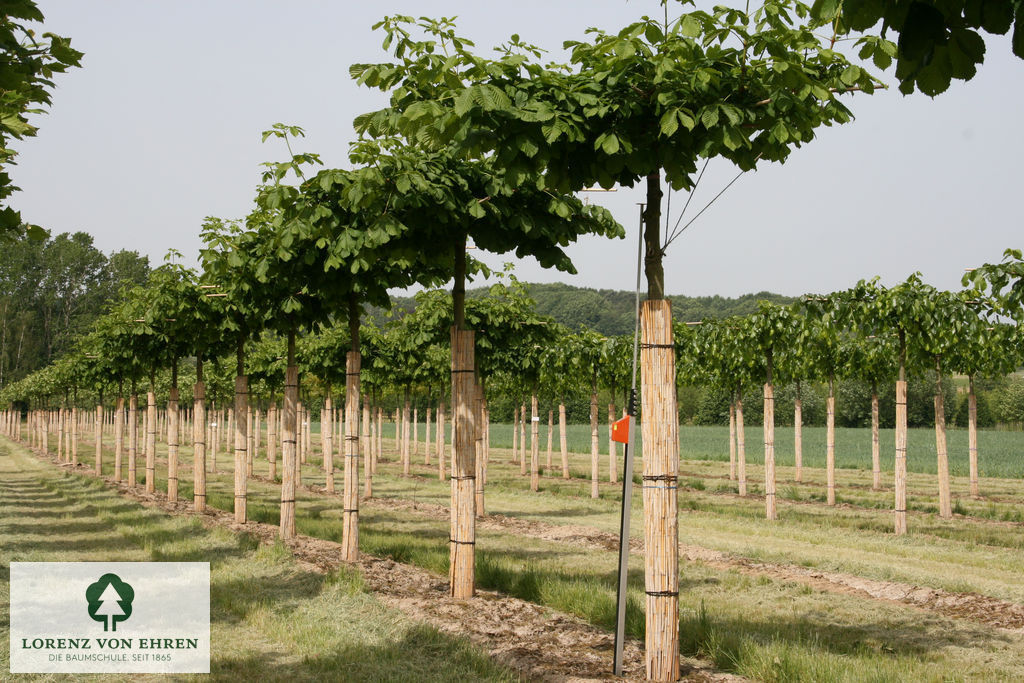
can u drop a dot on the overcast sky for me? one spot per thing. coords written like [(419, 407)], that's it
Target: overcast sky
[(161, 127)]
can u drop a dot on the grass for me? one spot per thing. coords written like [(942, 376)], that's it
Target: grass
[(270, 619), (756, 626)]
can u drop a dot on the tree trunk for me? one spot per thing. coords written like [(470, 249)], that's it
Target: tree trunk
[(133, 439), (945, 502), (479, 470), (660, 486), (98, 429), (350, 510), (741, 449), (900, 463), (612, 450), (830, 442), (463, 513), (732, 440), (534, 443), (798, 435), (241, 446), (551, 430), (119, 438), (876, 462), (595, 441), (769, 451), (289, 445), (972, 435), (172, 445), (327, 436), (199, 444)]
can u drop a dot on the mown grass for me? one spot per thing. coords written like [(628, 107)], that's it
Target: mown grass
[(756, 626), (270, 619)]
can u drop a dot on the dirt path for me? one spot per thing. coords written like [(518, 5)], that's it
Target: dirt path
[(970, 606), (539, 643)]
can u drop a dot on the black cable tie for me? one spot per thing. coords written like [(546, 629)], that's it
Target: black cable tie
[(199, 495), (350, 510), (452, 540), (648, 345), (238, 496), (455, 371), (899, 510), (288, 501), (663, 594), (471, 476), (660, 477)]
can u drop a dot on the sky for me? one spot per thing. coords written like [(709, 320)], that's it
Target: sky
[(161, 128)]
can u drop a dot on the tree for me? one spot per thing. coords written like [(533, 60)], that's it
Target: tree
[(26, 70), (938, 40)]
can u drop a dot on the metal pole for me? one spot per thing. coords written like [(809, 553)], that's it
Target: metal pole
[(627, 481)]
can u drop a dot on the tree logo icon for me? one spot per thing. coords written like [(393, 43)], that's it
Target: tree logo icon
[(110, 600)]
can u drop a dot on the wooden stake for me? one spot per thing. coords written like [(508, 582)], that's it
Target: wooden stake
[(133, 439), (830, 445), (741, 449), (612, 450), (327, 434), (462, 540), (660, 488), (551, 433), (272, 439), (522, 440), (98, 430), (366, 446), (440, 441), (119, 438), (479, 470), (595, 442), (150, 442), (798, 437)]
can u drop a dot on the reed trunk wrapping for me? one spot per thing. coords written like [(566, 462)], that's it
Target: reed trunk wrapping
[(289, 454), (798, 438), (551, 433), (900, 464), (426, 435), (150, 442), (595, 444), (462, 540), (250, 438), (515, 436), (769, 452), (972, 436), (119, 438), (613, 475), (241, 446), (562, 440), (98, 434), (406, 455), (366, 446), (133, 439), (732, 440), (350, 499), (272, 439), (942, 456), (199, 447), (741, 450), (876, 460), (660, 490), (830, 446), (440, 441), (327, 439), (74, 435), (479, 446), (172, 445), (534, 444)]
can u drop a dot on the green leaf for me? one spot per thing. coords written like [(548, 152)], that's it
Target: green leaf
[(689, 26)]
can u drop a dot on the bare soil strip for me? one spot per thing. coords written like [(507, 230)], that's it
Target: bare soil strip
[(970, 606), (538, 642)]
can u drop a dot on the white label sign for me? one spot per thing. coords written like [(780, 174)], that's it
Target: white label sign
[(110, 617)]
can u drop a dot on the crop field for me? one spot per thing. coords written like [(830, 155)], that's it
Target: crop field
[(823, 593)]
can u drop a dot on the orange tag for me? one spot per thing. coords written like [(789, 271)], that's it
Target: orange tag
[(620, 430)]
